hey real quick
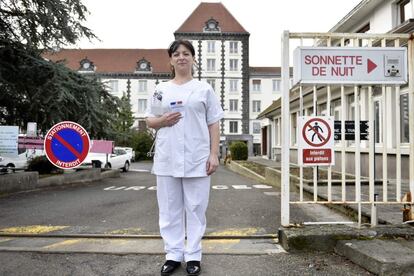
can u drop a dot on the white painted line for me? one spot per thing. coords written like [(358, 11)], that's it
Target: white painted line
[(114, 188), (135, 188), (272, 193), (138, 170), (241, 187), (261, 186), (220, 187), (152, 188)]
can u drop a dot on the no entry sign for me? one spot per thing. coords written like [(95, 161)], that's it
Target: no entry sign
[(346, 65), (316, 141), (67, 145)]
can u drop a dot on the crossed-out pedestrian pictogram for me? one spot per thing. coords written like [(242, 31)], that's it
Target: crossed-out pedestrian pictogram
[(315, 128)]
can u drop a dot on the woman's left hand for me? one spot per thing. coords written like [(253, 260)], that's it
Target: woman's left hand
[(212, 164)]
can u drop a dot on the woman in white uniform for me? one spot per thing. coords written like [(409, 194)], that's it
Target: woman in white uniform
[(186, 113)]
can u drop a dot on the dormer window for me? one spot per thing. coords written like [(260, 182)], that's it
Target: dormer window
[(86, 65), (212, 25), (143, 65)]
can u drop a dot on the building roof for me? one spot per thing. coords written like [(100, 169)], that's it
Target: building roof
[(362, 10), (113, 60), (196, 22), (271, 108)]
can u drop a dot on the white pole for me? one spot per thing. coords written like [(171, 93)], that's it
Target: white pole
[(285, 131), (398, 136), (411, 113)]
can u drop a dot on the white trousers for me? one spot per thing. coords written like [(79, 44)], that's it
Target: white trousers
[(182, 202)]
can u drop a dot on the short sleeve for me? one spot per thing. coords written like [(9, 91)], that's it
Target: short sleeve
[(150, 100), (214, 110)]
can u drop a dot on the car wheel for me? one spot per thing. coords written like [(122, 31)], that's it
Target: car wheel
[(126, 167), (11, 167), (107, 166)]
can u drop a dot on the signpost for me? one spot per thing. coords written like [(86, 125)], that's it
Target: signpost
[(346, 65), (8, 140), (316, 141), (67, 145)]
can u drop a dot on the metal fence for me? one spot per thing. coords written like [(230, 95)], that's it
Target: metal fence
[(389, 94)]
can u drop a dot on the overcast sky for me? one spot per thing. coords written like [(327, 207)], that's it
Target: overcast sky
[(151, 23)]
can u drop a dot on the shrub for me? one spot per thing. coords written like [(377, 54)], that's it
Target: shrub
[(239, 150), (141, 143), (42, 165)]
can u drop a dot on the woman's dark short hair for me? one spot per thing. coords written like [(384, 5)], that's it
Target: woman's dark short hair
[(174, 46)]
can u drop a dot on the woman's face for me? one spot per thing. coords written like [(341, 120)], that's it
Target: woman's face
[(182, 60)]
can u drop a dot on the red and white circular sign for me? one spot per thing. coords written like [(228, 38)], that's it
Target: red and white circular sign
[(316, 132), (67, 145)]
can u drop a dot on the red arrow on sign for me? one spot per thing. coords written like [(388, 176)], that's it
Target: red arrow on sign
[(371, 66)]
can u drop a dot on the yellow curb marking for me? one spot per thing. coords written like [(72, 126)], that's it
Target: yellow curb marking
[(32, 229), (4, 240), (235, 232), (59, 244), (225, 244), (126, 231)]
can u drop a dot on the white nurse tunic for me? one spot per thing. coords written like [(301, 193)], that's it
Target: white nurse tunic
[(183, 149)]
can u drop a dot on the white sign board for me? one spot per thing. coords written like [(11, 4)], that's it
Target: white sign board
[(31, 129), (346, 65), (316, 141), (8, 140)]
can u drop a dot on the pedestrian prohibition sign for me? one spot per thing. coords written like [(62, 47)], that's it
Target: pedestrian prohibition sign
[(316, 141), (67, 145)]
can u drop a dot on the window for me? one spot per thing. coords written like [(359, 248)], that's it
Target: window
[(256, 128), (233, 85), (257, 85), (211, 64), (233, 105), (113, 84), (212, 83), (142, 105), (211, 47), (256, 106), (142, 125), (142, 86), (234, 47), (234, 64), (405, 10), (276, 85), (404, 118), (233, 127)]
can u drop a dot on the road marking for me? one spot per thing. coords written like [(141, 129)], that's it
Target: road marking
[(4, 240), (235, 232), (31, 229), (214, 187), (114, 188), (261, 186), (61, 244), (241, 187), (272, 193), (220, 187), (135, 188)]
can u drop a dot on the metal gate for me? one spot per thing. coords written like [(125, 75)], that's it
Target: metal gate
[(365, 94)]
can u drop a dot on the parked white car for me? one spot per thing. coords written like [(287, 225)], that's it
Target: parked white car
[(21, 160), (130, 151), (120, 159)]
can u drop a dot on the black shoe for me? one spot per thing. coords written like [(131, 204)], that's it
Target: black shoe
[(169, 267), (193, 268)]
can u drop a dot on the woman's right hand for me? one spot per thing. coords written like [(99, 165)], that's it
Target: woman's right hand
[(170, 118)]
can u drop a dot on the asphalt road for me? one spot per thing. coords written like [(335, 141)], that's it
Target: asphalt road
[(128, 204), (238, 206)]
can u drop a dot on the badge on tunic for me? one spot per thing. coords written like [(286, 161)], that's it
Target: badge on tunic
[(177, 107)]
